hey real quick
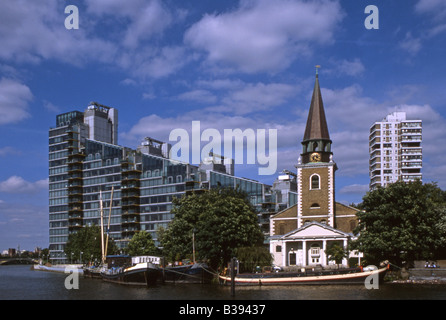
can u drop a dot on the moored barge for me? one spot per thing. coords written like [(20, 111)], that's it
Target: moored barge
[(334, 276)]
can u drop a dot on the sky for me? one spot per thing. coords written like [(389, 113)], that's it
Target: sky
[(228, 64)]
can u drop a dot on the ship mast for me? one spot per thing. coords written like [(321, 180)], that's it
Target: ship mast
[(108, 222), (102, 226)]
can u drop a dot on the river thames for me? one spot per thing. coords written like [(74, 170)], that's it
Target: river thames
[(20, 282)]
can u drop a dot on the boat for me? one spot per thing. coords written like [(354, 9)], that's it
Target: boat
[(92, 272), (125, 269), (191, 273), (144, 273), (310, 277)]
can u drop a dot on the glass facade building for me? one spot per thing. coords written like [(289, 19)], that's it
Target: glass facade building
[(136, 186)]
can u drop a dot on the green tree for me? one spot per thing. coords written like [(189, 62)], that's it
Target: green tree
[(401, 223), (336, 253), (45, 255), (221, 219), (251, 257), (85, 245), (142, 244)]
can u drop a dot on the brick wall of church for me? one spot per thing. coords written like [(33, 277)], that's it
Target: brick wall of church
[(313, 197)]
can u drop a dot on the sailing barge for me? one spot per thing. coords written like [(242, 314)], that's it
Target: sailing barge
[(139, 270), (191, 273), (144, 273), (335, 276)]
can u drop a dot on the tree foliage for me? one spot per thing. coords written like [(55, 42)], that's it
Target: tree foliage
[(88, 242), (251, 257), (402, 222), (336, 253), (222, 220), (142, 244)]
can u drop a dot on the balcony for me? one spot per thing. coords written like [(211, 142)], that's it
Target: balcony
[(409, 138), (375, 140)]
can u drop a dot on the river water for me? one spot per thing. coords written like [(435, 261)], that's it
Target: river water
[(19, 282)]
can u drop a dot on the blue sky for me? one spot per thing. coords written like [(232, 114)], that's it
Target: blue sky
[(228, 64)]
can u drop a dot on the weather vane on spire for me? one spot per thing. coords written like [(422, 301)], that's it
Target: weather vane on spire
[(317, 69)]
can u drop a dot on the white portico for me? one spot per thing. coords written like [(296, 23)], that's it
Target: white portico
[(306, 246)]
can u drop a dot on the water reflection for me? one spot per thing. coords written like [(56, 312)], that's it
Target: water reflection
[(19, 282)]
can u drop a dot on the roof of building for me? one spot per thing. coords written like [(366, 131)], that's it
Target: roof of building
[(316, 128), (314, 229)]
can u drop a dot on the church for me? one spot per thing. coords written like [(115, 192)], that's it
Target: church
[(301, 234)]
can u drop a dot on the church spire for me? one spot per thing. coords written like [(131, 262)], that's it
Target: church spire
[(316, 123), (316, 137)]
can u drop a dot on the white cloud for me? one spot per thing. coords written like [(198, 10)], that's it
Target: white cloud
[(139, 51), (14, 99), (435, 7), (255, 97), (238, 97), (410, 44), (436, 12), (32, 31), (18, 185), (51, 107), (23, 224), (152, 62), (147, 19), (264, 35), (115, 7), (347, 108), (160, 128), (5, 151), (345, 67), (199, 95)]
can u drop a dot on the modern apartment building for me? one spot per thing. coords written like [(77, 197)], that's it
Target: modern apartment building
[(395, 150), (87, 166)]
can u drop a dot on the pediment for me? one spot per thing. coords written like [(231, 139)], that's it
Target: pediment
[(315, 230)]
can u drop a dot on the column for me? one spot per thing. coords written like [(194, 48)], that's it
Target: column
[(284, 253), (324, 256), (304, 252), (345, 261)]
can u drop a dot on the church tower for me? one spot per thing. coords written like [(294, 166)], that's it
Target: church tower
[(316, 169)]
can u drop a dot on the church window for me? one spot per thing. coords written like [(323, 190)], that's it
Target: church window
[(315, 182)]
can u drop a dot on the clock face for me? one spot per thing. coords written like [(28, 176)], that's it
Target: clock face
[(315, 157)]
